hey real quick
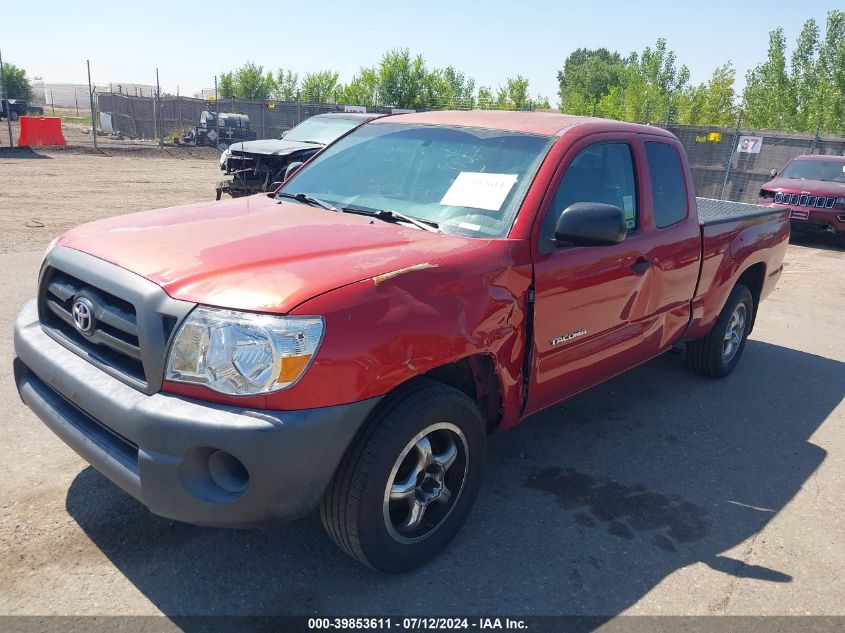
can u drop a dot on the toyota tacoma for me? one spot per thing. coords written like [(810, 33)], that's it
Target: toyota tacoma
[(349, 340)]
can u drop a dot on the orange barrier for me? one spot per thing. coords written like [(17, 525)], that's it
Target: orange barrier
[(41, 130)]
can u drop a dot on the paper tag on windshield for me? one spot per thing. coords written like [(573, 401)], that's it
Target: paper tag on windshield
[(479, 190)]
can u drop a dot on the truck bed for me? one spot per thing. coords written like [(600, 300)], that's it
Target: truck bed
[(712, 211)]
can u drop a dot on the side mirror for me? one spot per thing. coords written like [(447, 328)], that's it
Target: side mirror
[(773, 173), (591, 224), (292, 169)]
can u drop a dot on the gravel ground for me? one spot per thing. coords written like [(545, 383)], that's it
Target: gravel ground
[(658, 492)]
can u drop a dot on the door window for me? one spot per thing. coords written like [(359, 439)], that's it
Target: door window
[(603, 172), (668, 189)]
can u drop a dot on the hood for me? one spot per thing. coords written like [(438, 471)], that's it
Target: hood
[(812, 187), (256, 253), (273, 146)]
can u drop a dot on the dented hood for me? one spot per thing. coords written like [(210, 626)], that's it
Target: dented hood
[(273, 147), (255, 253)]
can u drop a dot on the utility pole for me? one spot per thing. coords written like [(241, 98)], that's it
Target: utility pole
[(730, 157), (158, 99), (6, 97), (816, 137), (91, 95), (216, 111)]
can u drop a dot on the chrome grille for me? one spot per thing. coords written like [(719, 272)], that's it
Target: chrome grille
[(113, 339), (805, 200)]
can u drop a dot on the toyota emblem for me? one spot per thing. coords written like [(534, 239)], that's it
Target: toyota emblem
[(83, 316)]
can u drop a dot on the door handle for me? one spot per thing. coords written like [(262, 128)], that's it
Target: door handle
[(641, 265)]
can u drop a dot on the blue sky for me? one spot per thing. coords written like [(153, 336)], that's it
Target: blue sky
[(192, 41)]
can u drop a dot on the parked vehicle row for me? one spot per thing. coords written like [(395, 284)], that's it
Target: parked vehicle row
[(349, 340)]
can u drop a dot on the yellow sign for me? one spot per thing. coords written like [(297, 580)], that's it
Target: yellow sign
[(211, 98), (714, 137), (271, 106), (700, 139)]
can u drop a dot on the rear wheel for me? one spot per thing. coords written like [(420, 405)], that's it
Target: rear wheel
[(14, 116), (718, 353), (409, 480)]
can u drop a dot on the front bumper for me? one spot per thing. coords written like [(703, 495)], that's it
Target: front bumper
[(157, 447), (805, 219)]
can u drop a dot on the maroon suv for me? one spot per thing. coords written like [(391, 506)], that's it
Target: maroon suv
[(813, 188)]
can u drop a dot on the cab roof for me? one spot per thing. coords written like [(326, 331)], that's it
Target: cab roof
[(543, 123)]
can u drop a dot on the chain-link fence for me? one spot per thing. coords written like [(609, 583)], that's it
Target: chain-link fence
[(733, 164), (141, 117)]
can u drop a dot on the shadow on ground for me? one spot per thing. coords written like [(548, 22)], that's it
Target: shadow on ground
[(584, 507), (20, 152)]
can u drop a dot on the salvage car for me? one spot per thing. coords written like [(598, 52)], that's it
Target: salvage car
[(257, 166), (812, 188), (349, 341)]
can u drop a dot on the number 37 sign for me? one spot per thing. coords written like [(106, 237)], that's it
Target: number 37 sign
[(749, 144)]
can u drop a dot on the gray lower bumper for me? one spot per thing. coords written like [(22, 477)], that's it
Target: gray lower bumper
[(157, 447)]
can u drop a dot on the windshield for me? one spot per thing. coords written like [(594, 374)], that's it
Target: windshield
[(814, 170), (469, 181), (322, 130)]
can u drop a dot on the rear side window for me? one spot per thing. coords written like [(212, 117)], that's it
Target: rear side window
[(668, 188), (603, 172)]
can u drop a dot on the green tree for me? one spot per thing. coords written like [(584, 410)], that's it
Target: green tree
[(830, 74), (252, 83), (226, 86), (285, 85), (449, 88), (402, 79), (768, 97), (513, 95), (319, 87), (485, 100), (17, 83), (362, 90), (588, 76)]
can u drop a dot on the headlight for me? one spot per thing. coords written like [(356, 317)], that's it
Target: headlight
[(243, 353)]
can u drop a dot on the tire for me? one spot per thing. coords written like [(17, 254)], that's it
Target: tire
[(384, 533), (718, 353), (14, 116)]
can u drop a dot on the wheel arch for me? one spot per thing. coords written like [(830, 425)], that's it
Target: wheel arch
[(753, 278)]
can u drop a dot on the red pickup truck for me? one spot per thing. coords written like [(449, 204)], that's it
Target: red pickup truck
[(349, 341), (812, 189)]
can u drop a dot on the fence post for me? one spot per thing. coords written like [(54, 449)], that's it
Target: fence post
[(730, 158), (263, 120), (298, 108), (91, 95), (158, 100), (6, 97), (816, 137)]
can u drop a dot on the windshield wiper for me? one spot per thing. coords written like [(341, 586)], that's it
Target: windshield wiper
[(388, 215), (308, 199)]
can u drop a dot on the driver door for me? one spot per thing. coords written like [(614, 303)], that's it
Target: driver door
[(592, 312)]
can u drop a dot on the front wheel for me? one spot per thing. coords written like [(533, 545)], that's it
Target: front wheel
[(718, 353), (409, 480)]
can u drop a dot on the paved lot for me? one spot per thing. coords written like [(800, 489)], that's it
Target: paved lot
[(657, 493)]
